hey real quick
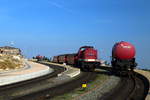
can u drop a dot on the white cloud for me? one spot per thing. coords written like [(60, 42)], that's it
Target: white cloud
[(56, 4), (60, 6)]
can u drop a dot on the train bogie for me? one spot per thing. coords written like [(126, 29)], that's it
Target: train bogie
[(88, 66)]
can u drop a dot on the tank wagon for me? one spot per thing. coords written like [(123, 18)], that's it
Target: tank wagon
[(123, 57), (86, 58)]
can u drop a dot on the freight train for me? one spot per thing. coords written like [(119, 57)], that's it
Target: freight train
[(86, 58), (39, 57), (123, 57)]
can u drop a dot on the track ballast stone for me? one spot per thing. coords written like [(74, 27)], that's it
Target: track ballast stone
[(102, 89)]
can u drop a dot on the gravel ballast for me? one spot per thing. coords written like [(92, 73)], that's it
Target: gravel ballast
[(100, 90), (103, 83)]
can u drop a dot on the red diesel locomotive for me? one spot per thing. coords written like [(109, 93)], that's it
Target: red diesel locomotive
[(86, 58), (123, 57)]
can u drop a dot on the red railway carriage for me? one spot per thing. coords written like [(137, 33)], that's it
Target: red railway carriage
[(39, 57), (123, 56), (71, 59), (86, 58), (55, 59), (62, 58)]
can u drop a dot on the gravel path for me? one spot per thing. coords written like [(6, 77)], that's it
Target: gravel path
[(96, 93)]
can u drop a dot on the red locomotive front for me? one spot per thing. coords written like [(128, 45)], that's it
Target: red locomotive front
[(87, 58), (87, 54)]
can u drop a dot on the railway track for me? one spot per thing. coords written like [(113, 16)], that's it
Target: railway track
[(19, 91), (16, 90), (49, 93), (140, 89), (134, 87)]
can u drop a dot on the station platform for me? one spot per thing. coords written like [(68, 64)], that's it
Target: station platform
[(30, 71), (70, 71)]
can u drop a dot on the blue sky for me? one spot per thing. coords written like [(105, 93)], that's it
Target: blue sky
[(51, 27)]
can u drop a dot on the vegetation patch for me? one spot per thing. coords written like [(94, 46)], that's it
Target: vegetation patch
[(10, 62)]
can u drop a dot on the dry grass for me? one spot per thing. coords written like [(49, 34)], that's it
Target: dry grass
[(8, 62), (145, 73)]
